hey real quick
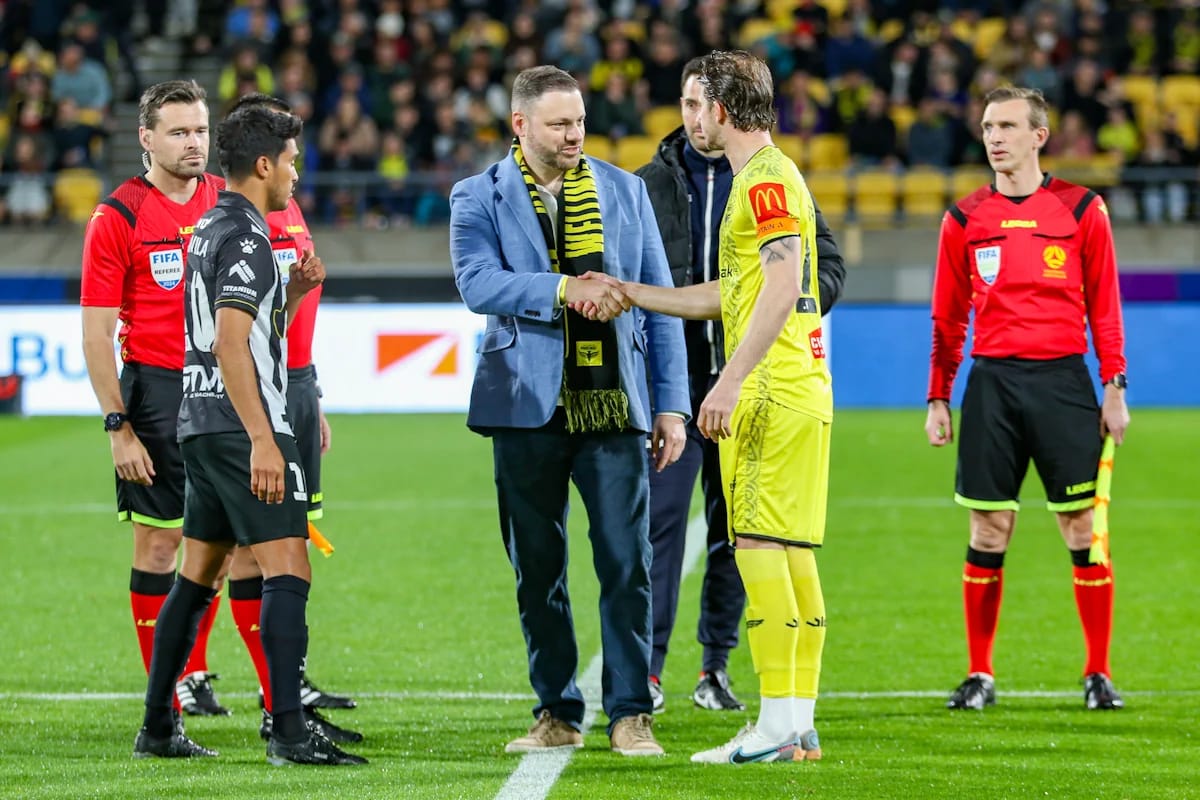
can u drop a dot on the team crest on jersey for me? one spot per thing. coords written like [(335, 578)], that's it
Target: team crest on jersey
[(248, 246), (166, 267), (987, 263)]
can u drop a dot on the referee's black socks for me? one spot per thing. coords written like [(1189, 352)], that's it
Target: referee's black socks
[(285, 641)]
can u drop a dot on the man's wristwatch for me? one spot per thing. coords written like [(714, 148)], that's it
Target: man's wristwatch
[(114, 421), (1119, 381)]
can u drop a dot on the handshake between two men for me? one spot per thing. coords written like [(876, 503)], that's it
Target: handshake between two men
[(602, 297)]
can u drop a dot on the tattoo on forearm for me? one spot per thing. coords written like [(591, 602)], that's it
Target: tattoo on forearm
[(780, 249)]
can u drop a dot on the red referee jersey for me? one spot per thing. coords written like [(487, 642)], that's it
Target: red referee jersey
[(290, 239), (133, 258), (1036, 272)]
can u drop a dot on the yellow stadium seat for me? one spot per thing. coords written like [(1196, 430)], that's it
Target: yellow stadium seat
[(1142, 92), (988, 31), (1188, 126), (876, 195), (924, 193), (836, 8), (780, 10), (792, 146), (754, 30), (965, 180), (820, 92), (1181, 93), (76, 193), (831, 191), (828, 151), (600, 147), (891, 30), (661, 120), (633, 152)]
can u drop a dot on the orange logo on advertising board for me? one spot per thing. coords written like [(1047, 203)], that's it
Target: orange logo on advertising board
[(392, 348), (768, 201)]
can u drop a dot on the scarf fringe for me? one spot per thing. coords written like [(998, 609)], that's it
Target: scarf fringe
[(595, 410)]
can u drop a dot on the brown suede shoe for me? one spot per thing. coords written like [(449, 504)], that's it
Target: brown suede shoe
[(547, 733), (633, 736)]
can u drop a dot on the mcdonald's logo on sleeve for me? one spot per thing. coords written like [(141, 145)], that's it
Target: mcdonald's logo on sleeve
[(768, 202)]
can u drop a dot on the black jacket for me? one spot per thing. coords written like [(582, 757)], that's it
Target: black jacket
[(666, 185)]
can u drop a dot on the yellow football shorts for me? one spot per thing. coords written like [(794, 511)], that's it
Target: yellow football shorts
[(775, 470)]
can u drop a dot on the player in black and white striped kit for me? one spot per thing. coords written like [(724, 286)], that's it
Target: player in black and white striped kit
[(235, 436)]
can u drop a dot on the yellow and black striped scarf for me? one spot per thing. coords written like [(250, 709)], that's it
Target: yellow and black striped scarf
[(591, 391)]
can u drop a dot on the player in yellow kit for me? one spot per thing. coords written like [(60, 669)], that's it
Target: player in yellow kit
[(771, 407)]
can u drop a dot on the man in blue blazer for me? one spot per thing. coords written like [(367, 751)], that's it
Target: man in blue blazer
[(564, 397)]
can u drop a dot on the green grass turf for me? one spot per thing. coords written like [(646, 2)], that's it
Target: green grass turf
[(415, 615)]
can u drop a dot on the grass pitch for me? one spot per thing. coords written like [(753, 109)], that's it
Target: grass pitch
[(415, 615)]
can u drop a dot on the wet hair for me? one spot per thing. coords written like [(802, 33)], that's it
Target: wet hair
[(742, 83), (260, 99), (249, 134)]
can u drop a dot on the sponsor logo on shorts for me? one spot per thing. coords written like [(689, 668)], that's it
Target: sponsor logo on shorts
[(1080, 488)]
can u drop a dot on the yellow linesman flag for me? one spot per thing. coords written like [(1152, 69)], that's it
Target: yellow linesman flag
[(1099, 551), (319, 541)]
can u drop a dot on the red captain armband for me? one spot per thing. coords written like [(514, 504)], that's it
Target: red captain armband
[(768, 203)]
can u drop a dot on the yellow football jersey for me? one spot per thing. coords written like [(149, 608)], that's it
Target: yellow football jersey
[(769, 200)]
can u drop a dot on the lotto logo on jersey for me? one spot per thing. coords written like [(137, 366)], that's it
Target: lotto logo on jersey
[(816, 340), (166, 267)]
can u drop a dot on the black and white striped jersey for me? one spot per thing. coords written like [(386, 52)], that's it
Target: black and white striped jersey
[(230, 265)]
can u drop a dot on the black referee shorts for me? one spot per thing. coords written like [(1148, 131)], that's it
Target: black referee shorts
[(152, 396), (304, 412), (1015, 410), (219, 506)]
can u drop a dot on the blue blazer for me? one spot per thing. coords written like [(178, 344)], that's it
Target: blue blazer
[(502, 269)]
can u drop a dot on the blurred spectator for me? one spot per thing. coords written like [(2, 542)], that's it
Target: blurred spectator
[(73, 140), (1012, 50), (1184, 49), (28, 199), (83, 81), (244, 69), (846, 49), (393, 200), (945, 91), (83, 28), (664, 66), (1048, 36), (1164, 195), (478, 88), (1092, 41), (813, 14), (969, 148), (901, 76), (251, 19), (523, 32), (32, 108), (350, 83), (806, 50), (348, 140), (798, 109), (1040, 74), (572, 47), (1119, 135), (619, 57), (1082, 92), (930, 137), (1138, 50), (872, 135), (614, 112), (479, 34), (448, 131), (850, 95), (1073, 140)]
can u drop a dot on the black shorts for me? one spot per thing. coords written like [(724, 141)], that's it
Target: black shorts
[(219, 506), (152, 396), (1015, 410), (304, 412)]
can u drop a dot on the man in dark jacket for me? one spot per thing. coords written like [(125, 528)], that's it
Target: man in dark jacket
[(689, 185)]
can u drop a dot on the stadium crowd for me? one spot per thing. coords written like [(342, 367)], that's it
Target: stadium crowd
[(403, 97)]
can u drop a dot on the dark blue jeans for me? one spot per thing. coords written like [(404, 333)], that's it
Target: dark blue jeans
[(722, 597), (533, 470)]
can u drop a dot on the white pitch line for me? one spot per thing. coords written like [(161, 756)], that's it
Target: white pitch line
[(538, 772)]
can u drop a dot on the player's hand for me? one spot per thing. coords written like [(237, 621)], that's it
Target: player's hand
[(1114, 415), (715, 419), (266, 470), (306, 274), (939, 425), (596, 296), (667, 440), (326, 434), (130, 458)]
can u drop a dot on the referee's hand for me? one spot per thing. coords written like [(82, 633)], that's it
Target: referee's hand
[(939, 425)]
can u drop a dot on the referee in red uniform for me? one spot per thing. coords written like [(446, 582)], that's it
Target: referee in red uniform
[(1033, 256)]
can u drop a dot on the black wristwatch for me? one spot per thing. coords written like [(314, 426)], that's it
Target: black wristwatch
[(1119, 381), (114, 421)]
